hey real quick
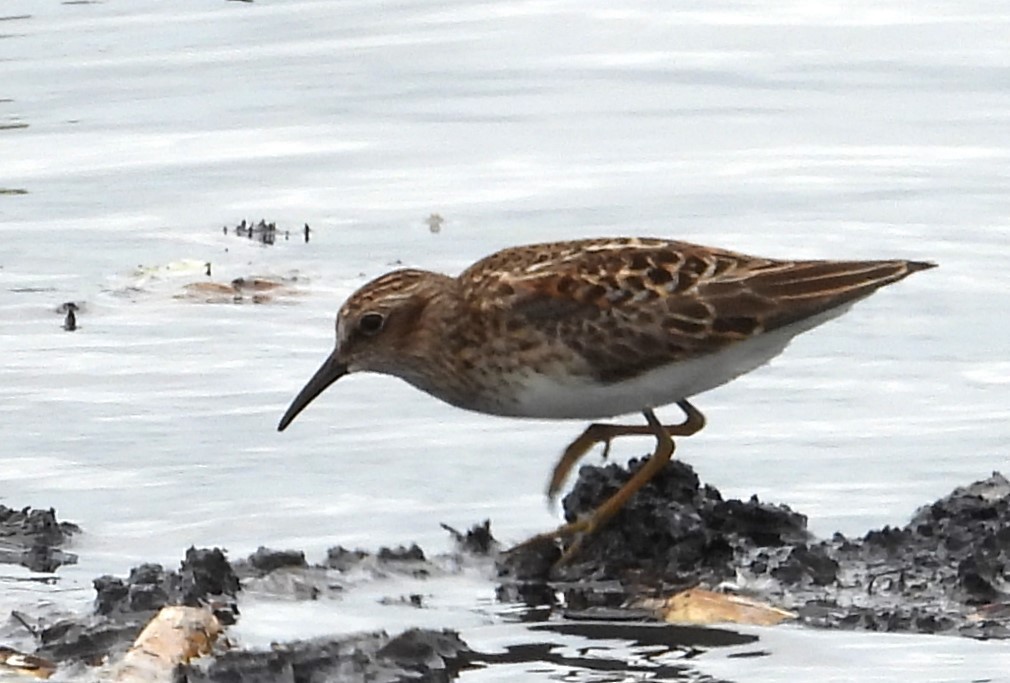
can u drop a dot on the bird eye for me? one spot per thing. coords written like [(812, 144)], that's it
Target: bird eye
[(371, 323)]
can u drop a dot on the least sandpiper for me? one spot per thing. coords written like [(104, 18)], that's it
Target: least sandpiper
[(591, 329)]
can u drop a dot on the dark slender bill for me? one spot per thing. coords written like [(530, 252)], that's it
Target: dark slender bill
[(330, 372)]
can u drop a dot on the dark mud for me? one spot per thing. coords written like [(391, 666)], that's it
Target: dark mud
[(946, 571), (34, 539), (285, 574), (421, 655), (124, 606)]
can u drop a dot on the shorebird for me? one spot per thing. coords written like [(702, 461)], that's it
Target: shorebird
[(591, 329)]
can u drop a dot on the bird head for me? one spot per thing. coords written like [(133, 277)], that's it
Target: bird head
[(377, 329)]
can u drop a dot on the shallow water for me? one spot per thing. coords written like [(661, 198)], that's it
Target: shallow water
[(810, 129)]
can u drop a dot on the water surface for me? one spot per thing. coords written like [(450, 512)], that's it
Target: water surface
[(137, 130)]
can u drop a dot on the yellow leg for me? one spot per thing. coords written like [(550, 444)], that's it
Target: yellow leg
[(610, 507), (604, 433)]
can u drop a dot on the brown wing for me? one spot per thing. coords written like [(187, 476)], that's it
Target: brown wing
[(629, 305)]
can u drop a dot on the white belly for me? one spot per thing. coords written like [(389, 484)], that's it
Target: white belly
[(575, 397)]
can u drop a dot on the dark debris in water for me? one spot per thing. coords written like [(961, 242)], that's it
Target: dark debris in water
[(70, 320), (33, 539), (266, 232), (477, 540)]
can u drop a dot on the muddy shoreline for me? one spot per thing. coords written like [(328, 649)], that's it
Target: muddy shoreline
[(944, 572)]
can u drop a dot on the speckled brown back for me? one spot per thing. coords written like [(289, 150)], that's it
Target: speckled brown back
[(628, 305)]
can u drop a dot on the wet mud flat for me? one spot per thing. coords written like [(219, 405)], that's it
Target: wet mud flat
[(943, 572)]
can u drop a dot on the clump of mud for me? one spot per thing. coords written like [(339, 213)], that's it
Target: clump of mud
[(124, 606), (422, 655), (947, 570), (34, 538), (205, 577)]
